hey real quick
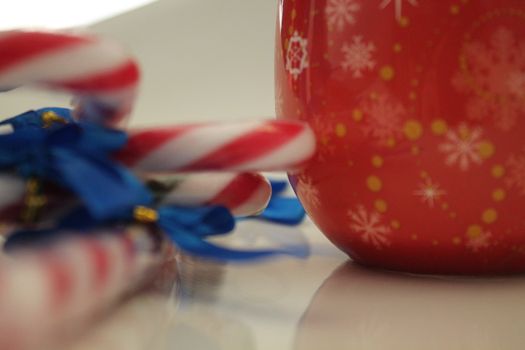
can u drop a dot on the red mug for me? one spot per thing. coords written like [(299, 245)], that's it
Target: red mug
[(419, 111)]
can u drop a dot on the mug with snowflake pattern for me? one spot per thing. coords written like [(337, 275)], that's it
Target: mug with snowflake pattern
[(419, 111)]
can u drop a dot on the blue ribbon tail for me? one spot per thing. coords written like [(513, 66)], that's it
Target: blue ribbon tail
[(287, 211), (201, 221), (278, 186), (188, 228), (193, 244)]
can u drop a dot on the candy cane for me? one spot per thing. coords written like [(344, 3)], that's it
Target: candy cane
[(253, 146), (42, 291), (98, 72), (244, 194)]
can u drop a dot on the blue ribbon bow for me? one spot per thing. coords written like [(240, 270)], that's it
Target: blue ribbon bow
[(77, 156), (72, 155)]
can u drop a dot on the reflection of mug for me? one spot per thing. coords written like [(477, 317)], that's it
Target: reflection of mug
[(357, 308), (419, 109)]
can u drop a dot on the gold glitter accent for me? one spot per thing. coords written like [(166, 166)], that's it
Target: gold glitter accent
[(423, 174), (49, 118), (387, 73), (439, 127), (497, 171), (33, 200), (412, 95), (498, 195), (381, 205), (413, 129), (415, 150), (489, 216), (377, 161), (456, 240), (454, 9), (340, 130), (145, 215), (374, 183), (435, 242), (452, 215)]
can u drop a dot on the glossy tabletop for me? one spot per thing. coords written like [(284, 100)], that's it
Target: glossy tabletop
[(323, 302)]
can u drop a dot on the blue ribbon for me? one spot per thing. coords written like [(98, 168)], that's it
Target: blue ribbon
[(187, 227), (76, 156), (280, 209)]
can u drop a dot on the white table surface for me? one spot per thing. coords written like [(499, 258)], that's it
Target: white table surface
[(213, 60)]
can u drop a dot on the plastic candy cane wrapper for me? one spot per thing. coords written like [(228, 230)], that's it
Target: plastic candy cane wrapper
[(45, 291)]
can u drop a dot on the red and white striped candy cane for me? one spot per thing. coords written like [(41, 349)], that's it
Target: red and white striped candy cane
[(253, 146), (102, 75), (44, 291), (244, 193)]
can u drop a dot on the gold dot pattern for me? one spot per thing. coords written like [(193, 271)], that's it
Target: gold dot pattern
[(357, 115), (439, 127), (498, 194), (381, 205), (374, 183), (474, 231), (387, 73), (489, 216), (340, 130), (377, 161), (397, 47), (486, 149), (413, 129), (395, 224), (404, 22), (497, 171)]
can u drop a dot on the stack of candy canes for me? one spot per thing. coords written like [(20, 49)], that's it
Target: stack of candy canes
[(90, 209)]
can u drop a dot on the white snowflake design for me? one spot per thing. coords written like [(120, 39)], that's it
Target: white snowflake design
[(493, 76), (478, 241), (370, 226), (516, 172), (358, 56), (307, 193), (383, 117), (430, 192), (341, 12), (297, 55), (462, 147), (398, 6)]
